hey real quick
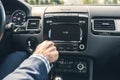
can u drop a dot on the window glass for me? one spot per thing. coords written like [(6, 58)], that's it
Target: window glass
[(71, 2)]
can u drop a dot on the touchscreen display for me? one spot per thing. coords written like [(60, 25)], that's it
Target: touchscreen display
[(65, 32)]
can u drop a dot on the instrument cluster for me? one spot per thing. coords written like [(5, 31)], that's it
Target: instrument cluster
[(18, 17)]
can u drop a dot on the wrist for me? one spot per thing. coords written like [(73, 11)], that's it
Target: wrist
[(43, 59)]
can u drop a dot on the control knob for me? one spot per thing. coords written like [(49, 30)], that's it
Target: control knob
[(58, 78), (80, 66)]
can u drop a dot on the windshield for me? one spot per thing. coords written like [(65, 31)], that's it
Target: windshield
[(71, 2)]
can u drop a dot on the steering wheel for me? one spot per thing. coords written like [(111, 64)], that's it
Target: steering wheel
[(2, 19)]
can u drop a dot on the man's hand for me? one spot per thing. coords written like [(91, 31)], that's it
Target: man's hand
[(47, 49)]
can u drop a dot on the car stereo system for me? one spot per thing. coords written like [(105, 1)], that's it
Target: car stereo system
[(67, 30)]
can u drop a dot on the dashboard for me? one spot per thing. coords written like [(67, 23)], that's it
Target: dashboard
[(87, 37)]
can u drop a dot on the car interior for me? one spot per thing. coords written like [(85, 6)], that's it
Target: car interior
[(86, 36)]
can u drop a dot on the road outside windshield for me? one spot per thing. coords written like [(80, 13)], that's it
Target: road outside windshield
[(71, 2)]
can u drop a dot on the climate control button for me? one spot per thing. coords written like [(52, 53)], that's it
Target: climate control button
[(82, 67)]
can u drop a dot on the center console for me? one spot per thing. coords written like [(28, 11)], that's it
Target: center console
[(72, 68), (69, 33)]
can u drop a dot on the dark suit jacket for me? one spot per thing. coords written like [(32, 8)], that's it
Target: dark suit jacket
[(31, 69)]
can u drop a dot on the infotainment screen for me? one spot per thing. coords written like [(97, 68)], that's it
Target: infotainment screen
[(65, 32)]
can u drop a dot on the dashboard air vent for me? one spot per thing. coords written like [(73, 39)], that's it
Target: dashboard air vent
[(33, 24), (104, 25)]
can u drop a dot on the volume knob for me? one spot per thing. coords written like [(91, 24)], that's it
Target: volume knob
[(58, 78)]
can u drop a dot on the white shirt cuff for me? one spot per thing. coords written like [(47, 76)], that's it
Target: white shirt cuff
[(44, 59)]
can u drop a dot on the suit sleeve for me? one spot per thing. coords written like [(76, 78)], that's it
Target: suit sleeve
[(31, 69)]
